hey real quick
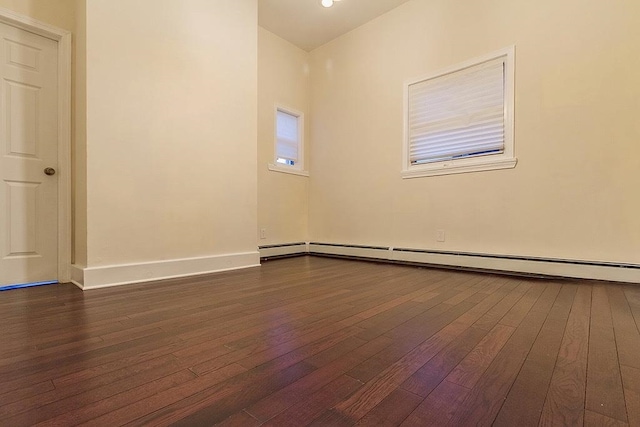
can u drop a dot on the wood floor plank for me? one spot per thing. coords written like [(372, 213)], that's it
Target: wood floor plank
[(145, 407), (68, 364), (604, 393), (393, 409), (216, 403), (212, 338), (381, 308), (386, 322), (405, 341), (631, 382), (520, 310), (564, 403), (323, 341), (427, 378), (330, 335), (331, 418), (411, 333), (375, 391), (312, 405), (62, 399), (99, 408), (593, 419), (239, 419), (432, 373), (272, 405), (493, 316), (471, 368), (371, 367), (211, 355), (525, 400), (26, 392), (485, 400), (626, 332), (632, 293), (439, 407)]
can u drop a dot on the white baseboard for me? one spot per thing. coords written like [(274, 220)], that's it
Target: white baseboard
[(77, 275), (629, 273), (114, 275), (270, 251)]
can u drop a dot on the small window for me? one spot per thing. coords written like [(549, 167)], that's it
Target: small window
[(461, 119), (289, 152)]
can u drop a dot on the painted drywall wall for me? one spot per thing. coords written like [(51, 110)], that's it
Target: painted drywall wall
[(574, 193), (59, 13), (171, 130), (283, 79)]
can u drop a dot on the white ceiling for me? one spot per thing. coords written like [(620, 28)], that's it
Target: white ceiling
[(308, 25)]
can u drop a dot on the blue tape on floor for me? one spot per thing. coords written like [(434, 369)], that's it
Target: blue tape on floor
[(26, 285)]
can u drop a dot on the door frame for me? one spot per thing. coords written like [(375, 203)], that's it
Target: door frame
[(63, 38)]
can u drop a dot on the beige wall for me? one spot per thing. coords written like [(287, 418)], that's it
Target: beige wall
[(574, 193), (171, 129), (176, 97), (59, 13), (283, 79)]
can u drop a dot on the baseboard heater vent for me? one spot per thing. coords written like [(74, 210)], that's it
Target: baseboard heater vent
[(283, 250), (547, 267)]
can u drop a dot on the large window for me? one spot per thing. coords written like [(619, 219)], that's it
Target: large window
[(461, 119), (289, 147)]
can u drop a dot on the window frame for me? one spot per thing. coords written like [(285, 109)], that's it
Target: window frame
[(503, 160), (298, 168)]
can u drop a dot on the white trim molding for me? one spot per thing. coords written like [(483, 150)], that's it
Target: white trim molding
[(614, 272), (276, 168), (114, 275), (77, 275), (63, 38), (476, 165)]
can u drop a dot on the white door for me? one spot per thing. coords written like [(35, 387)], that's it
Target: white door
[(28, 145)]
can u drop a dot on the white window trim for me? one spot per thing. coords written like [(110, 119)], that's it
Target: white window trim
[(287, 169), (504, 160), (297, 169)]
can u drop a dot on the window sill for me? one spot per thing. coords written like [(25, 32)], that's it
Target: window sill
[(448, 168), (291, 171)]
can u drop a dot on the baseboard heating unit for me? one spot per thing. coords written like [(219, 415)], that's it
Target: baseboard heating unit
[(551, 267)]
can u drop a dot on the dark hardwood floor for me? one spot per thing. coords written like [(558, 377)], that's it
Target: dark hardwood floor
[(323, 342)]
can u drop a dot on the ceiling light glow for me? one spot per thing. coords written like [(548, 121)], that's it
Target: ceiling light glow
[(327, 3)]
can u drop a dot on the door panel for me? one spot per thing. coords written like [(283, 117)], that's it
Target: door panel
[(28, 145)]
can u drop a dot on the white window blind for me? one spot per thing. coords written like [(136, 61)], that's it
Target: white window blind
[(287, 138), (457, 115)]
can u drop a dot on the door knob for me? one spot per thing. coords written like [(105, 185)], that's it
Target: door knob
[(49, 171)]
